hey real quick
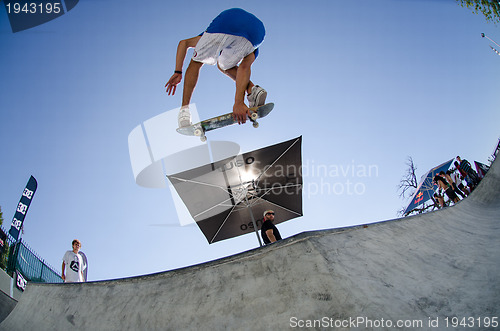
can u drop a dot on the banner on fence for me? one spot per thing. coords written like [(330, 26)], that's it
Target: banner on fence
[(22, 208)]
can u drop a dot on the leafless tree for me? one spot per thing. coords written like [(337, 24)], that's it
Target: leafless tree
[(408, 184), (419, 210), (407, 187)]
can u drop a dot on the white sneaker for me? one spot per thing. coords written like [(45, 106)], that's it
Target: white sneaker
[(184, 117), (257, 97)]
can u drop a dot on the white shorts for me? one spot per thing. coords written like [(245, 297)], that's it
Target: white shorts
[(225, 49)]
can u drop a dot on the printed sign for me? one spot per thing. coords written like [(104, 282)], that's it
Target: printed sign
[(20, 281)]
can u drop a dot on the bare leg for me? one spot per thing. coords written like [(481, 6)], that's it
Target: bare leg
[(243, 73), (231, 73), (190, 80)]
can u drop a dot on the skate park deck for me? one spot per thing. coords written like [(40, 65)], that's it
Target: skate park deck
[(420, 269)]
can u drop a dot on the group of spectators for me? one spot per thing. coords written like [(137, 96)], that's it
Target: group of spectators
[(452, 184)]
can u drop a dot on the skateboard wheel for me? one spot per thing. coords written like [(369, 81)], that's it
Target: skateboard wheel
[(255, 125), (203, 138), (254, 116), (198, 132)]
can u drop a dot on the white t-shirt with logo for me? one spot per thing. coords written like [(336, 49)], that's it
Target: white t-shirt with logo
[(74, 266)]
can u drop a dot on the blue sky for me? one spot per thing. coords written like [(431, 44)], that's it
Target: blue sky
[(366, 84)]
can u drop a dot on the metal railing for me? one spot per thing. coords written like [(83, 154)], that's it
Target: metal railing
[(19, 256)]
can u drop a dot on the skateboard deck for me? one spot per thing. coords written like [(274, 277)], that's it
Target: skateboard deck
[(199, 129)]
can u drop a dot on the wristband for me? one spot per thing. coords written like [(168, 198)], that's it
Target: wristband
[(178, 72)]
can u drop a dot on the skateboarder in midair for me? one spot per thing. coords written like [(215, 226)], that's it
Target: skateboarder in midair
[(231, 41)]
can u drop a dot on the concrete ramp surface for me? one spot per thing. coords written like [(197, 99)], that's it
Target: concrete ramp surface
[(439, 269)]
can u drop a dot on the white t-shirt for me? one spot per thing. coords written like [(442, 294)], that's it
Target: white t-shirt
[(456, 178), (74, 267)]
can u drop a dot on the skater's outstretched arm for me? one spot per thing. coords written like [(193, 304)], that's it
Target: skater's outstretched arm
[(182, 49)]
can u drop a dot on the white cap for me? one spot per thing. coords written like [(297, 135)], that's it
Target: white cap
[(268, 211)]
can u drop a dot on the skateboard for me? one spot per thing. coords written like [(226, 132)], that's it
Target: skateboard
[(199, 129)]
